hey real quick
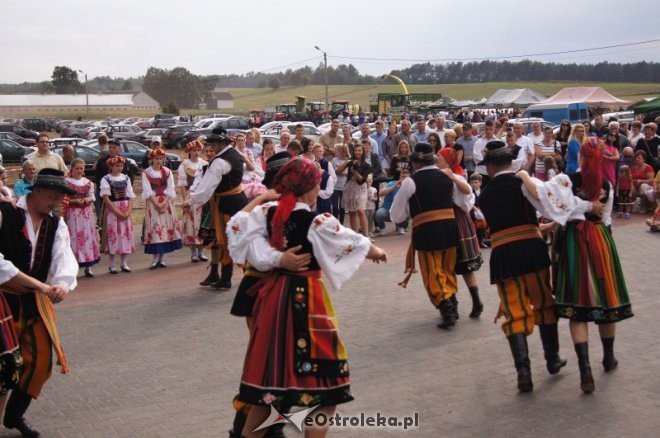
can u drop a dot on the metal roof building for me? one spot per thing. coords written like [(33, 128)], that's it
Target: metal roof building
[(45, 103)]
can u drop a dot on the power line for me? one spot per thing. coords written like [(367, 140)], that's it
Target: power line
[(529, 55), (288, 65)]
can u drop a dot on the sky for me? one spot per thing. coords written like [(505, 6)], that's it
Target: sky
[(123, 38)]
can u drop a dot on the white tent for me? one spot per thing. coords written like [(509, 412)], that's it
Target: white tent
[(519, 97)]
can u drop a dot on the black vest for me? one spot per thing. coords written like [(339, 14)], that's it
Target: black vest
[(234, 203), (433, 191), (295, 232), (18, 249), (504, 206)]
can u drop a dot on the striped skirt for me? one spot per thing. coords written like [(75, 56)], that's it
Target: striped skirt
[(295, 356), (589, 283), (10, 357), (468, 257)]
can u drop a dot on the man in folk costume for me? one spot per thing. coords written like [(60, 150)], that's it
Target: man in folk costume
[(519, 263), (427, 198), (221, 185), (38, 244)]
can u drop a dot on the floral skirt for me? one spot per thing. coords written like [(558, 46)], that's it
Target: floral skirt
[(118, 233), (468, 255), (192, 217), (295, 356), (355, 196), (84, 237), (162, 230), (589, 283)]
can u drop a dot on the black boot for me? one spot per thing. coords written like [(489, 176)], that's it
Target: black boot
[(212, 277), (454, 301), (239, 421), (550, 340), (609, 361), (477, 305), (518, 344), (586, 379), (448, 316), (16, 406), (224, 282)]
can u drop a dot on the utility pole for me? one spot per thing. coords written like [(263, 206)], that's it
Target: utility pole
[(325, 61), (86, 94)]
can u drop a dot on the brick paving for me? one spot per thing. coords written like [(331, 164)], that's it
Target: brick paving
[(154, 355)]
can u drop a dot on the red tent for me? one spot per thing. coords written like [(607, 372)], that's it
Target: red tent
[(593, 96)]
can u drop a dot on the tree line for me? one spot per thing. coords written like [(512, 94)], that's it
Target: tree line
[(186, 89)]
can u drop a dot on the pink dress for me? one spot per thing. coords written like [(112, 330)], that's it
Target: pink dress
[(162, 230), (119, 233), (81, 222), (609, 166), (192, 217)]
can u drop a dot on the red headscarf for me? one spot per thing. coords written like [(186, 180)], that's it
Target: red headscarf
[(591, 153), (294, 179), (449, 154)]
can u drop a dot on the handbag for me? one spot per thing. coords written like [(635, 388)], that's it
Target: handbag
[(206, 231)]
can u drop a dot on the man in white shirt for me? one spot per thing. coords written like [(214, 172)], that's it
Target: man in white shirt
[(478, 152), (285, 138), (537, 134), (44, 158), (526, 143), (422, 135)]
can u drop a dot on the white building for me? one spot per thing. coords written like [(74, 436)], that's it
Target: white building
[(43, 104), (220, 99)]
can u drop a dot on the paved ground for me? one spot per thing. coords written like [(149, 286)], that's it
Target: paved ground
[(154, 355)]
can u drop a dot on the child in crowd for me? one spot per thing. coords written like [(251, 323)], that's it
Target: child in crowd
[(29, 170), (328, 179), (370, 210), (551, 168), (623, 188), (162, 228), (190, 169), (117, 193), (475, 214), (80, 218), (341, 155)]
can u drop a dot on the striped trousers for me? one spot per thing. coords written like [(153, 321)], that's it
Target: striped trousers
[(438, 274), (526, 300), (37, 352)]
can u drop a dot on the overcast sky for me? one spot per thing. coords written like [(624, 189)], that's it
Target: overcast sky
[(122, 38)]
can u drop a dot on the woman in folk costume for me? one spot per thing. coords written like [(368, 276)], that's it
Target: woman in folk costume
[(163, 232), (117, 193), (80, 218), (589, 283), (468, 258), (190, 169), (295, 356)]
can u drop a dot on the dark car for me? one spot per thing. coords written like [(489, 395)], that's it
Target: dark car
[(39, 125), (189, 136), (90, 156), (17, 138), (18, 130), (173, 135), (12, 152), (232, 124), (163, 121), (137, 151)]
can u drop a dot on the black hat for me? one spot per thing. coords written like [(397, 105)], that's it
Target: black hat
[(496, 151), (51, 179), (423, 153), (220, 139), (273, 165), (114, 141)]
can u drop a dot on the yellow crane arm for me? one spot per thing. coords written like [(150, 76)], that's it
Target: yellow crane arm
[(387, 75)]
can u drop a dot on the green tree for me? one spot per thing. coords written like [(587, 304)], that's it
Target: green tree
[(171, 108), (274, 83), (65, 81), (128, 85)]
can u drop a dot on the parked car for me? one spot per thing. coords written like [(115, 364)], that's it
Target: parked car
[(18, 130), (529, 121), (163, 121), (311, 132), (12, 152), (145, 137), (143, 123), (17, 138), (91, 155), (193, 134), (173, 135), (38, 125), (79, 129), (53, 142), (125, 132), (232, 124), (137, 151)]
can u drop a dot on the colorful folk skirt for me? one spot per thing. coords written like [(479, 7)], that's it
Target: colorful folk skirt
[(10, 357), (589, 283), (295, 356), (81, 222), (162, 230), (191, 220), (118, 233), (468, 255)]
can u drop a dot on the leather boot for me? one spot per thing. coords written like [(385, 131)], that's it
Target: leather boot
[(454, 301), (224, 283), (586, 379), (550, 340), (447, 313), (212, 277), (239, 421), (17, 404), (477, 305), (518, 344), (609, 361)]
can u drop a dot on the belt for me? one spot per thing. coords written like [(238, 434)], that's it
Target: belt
[(514, 234)]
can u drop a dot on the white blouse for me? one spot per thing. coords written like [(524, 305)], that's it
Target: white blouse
[(83, 182), (464, 201), (105, 186), (189, 168), (338, 250), (7, 269), (147, 192)]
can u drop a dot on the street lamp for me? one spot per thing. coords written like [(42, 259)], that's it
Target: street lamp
[(86, 94), (325, 61)]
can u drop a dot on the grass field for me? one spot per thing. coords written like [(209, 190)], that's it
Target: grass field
[(247, 98)]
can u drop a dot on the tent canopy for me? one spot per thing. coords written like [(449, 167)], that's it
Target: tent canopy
[(518, 97), (593, 96), (652, 105)]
